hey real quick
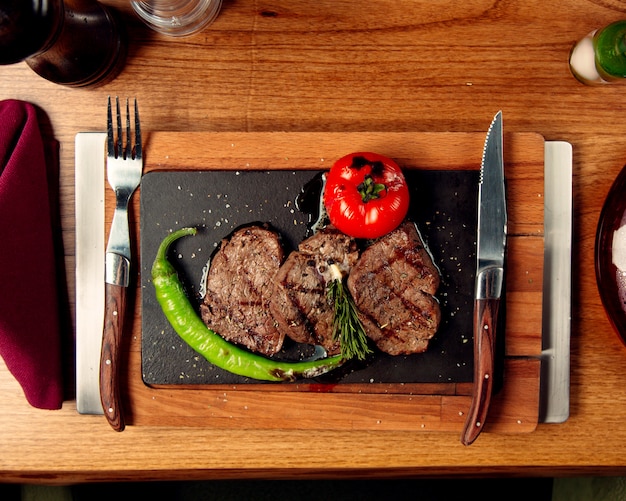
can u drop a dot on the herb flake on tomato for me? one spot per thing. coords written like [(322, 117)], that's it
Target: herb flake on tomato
[(366, 195)]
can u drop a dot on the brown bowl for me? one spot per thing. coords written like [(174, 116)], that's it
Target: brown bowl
[(610, 255)]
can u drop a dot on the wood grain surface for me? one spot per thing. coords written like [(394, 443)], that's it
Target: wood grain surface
[(416, 407), (329, 66)]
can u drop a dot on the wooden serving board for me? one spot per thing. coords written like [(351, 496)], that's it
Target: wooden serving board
[(429, 406)]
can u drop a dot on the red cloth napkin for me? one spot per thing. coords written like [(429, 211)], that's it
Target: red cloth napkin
[(30, 332)]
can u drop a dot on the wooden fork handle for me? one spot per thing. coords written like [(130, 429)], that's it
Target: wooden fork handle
[(115, 301)]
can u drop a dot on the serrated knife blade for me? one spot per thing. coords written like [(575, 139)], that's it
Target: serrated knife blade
[(490, 251)]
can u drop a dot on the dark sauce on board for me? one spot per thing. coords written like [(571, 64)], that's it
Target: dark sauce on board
[(310, 201)]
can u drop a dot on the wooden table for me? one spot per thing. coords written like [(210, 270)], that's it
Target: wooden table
[(331, 66)]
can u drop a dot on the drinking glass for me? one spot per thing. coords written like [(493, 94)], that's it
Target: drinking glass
[(77, 43), (177, 17)]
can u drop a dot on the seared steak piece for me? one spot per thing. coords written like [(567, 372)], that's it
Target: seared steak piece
[(393, 284), (239, 289), (300, 304)]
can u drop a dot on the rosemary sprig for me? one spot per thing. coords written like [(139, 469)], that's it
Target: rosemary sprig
[(347, 326)]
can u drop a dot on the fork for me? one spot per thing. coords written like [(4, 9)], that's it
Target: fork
[(124, 169)]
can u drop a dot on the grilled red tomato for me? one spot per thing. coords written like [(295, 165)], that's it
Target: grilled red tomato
[(366, 195)]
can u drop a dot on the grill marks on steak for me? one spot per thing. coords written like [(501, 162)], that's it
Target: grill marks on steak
[(254, 296), (393, 285), (300, 304), (239, 288)]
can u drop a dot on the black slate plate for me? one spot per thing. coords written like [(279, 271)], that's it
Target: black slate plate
[(443, 204)]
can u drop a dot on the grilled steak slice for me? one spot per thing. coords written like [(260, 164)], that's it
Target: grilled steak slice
[(239, 288), (300, 304), (393, 285)]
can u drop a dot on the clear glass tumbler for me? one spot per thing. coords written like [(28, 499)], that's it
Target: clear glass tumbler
[(177, 17)]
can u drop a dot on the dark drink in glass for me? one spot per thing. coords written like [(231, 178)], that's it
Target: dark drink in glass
[(70, 42)]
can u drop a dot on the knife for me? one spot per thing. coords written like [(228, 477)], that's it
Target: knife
[(490, 248)]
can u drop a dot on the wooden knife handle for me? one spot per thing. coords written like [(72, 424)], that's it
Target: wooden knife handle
[(485, 322), (115, 301)]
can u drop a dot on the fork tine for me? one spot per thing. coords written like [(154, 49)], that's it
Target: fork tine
[(119, 146), (110, 142), (129, 146), (118, 149), (137, 133)]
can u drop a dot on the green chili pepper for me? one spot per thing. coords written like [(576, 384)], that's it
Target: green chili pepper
[(218, 351)]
